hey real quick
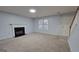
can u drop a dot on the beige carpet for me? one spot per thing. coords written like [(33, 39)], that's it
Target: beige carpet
[(35, 42)]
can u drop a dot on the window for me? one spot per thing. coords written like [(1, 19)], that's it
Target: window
[(43, 24)]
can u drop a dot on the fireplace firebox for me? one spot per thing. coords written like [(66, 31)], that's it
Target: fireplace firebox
[(19, 31)]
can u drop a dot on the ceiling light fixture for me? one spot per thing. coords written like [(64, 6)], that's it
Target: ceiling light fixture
[(32, 11)]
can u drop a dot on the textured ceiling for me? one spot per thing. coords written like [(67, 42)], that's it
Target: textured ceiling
[(41, 10)]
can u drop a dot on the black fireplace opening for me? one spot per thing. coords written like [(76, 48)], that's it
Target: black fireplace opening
[(19, 31)]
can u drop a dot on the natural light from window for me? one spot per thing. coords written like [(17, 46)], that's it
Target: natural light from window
[(43, 24)]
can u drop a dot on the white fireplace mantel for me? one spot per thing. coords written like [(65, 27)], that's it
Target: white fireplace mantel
[(17, 25)]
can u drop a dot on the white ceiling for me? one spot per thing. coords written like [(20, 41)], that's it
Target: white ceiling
[(41, 10)]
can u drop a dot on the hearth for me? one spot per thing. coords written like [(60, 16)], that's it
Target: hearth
[(19, 31)]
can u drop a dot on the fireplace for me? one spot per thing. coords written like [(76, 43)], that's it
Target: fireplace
[(19, 31)]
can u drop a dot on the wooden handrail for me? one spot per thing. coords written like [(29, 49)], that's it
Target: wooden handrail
[(73, 20)]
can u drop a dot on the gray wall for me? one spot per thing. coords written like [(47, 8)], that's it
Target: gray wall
[(74, 37), (7, 19), (57, 25)]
